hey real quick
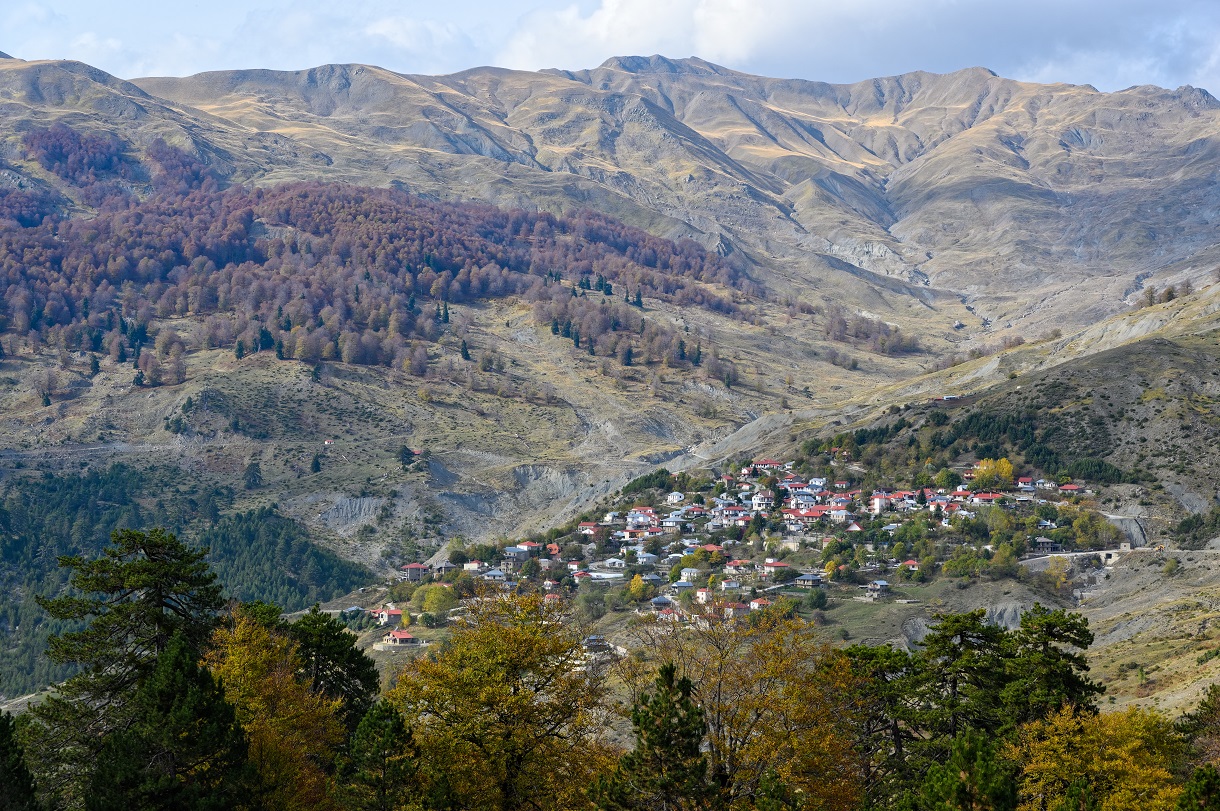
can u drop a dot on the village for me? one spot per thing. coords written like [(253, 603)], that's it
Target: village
[(758, 537)]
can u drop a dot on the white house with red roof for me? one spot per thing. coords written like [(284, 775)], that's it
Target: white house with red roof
[(773, 566)]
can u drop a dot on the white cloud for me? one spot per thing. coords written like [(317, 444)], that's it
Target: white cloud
[(1111, 44)]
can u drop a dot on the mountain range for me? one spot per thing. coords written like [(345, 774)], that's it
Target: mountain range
[(923, 199)]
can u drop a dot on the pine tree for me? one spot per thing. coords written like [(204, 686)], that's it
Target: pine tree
[(315, 466), (185, 749), (666, 771), (466, 349), (381, 771), (1202, 791), (16, 782), (145, 589), (252, 477), (972, 778), (334, 665)]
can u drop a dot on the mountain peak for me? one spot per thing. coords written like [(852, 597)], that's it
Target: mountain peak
[(660, 64)]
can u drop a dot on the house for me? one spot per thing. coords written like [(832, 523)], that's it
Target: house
[(587, 527), (1025, 484), (610, 518), (740, 566), (877, 590), (912, 564), (595, 643), (388, 616), (1046, 484), (808, 580), (645, 558), (1045, 546), (729, 585), (494, 575), (703, 596), (763, 501), (415, 571), (516, 553), (689, 573), (675, 498), (759, 603), (398, 638), (1071, 489), (531, 547), (773, 566), (549, 585), (552, 598), (445, 567), (734, 610), (615, 563), (852, 526), (661, 603), (473, 566), (681, 586)]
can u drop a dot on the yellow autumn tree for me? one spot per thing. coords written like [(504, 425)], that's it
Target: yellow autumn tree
[(1125, 758), (777, 704), (293, 733), (993, 473), (508, 711), (638, 589)]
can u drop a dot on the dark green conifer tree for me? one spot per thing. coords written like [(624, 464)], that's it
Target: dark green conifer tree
[(381, 770), (666, 771), (185, 749), (16, 783), (334, 665)]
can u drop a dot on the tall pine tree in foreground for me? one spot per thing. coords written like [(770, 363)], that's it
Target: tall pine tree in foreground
[(147, 588), (16, 782), (381, 770), (185, 749), (667, 771)]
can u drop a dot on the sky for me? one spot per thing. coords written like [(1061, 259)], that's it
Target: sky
[(1111, 45)]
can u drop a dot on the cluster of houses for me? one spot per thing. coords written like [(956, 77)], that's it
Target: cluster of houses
[(650, 541)]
